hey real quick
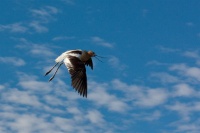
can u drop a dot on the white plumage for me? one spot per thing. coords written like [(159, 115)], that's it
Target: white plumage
[(65, 54)]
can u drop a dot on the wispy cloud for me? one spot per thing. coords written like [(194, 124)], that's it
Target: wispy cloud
[(141, 95), (21, 97), (192, 73), (167, 49), (185, 110), (165, 78), (157, 63), (101, 42), (15, 28), (70, 2), (2, 87), (38, 27), (194, 55), (184, 90), (148, 99), (44, 14), (41, 17), (190, 24), (40, 50), (150, 116), (13, 61), (95, 117), (101, 97), (37, 23), (116, 63), (58, 38)]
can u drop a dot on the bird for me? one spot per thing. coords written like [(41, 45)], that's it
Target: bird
[(75, 61)]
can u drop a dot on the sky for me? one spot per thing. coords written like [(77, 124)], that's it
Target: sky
[(148, 81)]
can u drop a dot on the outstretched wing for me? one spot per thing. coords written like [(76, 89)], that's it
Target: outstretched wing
[(77, 71), (64, 55)]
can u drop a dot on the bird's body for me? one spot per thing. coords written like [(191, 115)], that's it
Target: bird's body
[(75, 61)]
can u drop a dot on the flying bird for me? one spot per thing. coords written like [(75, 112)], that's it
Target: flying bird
[(75, 61)]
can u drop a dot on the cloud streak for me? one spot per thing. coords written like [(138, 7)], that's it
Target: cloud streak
[(13, 61), (40, 50), (101, 42), (14, 28), (37, 23)]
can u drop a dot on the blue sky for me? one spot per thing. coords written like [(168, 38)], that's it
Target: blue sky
[(148, 82)]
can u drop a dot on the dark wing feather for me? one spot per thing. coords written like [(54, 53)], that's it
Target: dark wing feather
[(75, 51), (77, 71), (90, 63)]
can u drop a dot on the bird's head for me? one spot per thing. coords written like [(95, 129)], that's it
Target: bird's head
[(91, 53)]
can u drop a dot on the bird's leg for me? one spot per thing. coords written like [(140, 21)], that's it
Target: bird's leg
[(55, 72), (51, 69)]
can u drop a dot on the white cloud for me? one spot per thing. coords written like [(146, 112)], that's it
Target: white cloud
[(28, 123), (189, 127), (164, 77), (142, 96), (58, 38), (154, 116), (149, 116), (13, 60), (99, 41), (15, 28), (167, 50), (185, 110), (64, 124), (95, 117), (181, 108), (70, 2), (184, 90), (2, 87), (44, 14), (190, 72), (36, 86), (155, 62), (151, 98), (190, 24), (41, 16), (101, 97), (53, 100), (40, 50), (116, 63), (193, 54), (21, 97), (38, 27), (74, 110)]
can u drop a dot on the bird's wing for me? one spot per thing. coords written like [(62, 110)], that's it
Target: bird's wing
[(76, 53), (89, 62), (77, 71)]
